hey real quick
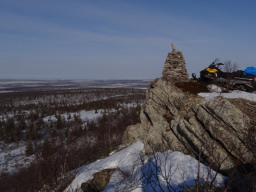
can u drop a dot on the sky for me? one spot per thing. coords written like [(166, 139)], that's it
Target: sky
[(121, 39)]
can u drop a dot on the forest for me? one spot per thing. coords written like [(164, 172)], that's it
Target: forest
[(46, 134)]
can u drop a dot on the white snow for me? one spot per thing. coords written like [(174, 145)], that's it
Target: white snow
[(84, 115), (124, 158), (13, 157), (181, 170), (232, 95)]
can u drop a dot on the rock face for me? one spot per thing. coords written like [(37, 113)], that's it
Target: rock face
[(175, 66), (213, 131), (99, 181)]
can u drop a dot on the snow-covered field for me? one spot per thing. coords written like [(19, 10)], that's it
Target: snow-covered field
[(179, 169)]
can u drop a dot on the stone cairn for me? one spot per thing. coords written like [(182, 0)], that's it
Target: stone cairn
[(175, 66)]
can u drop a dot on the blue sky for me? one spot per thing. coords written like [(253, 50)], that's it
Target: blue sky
[(118, 39)]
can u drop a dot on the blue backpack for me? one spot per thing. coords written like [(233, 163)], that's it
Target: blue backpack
[(250, 71)]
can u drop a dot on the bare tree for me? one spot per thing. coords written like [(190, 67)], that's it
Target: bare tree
[(230, 67)]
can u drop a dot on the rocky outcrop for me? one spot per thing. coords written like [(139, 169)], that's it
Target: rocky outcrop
[(213, 131)]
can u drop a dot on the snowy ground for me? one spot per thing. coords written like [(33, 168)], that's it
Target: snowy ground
[(181, 170), (13, 157), (84, 115), (233, 94)]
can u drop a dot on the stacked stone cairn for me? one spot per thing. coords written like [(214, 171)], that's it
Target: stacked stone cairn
[(175, 67)]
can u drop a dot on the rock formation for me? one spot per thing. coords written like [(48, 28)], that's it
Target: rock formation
[(213, 131), (175, 66)]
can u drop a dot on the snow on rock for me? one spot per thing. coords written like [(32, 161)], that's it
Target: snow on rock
[(231, 95), (181, 170), (178, 169), (120, 159)]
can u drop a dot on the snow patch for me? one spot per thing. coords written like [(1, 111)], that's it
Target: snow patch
[(120, 159), (232, 95), (13, 157), (84, 115), (182, 170)]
